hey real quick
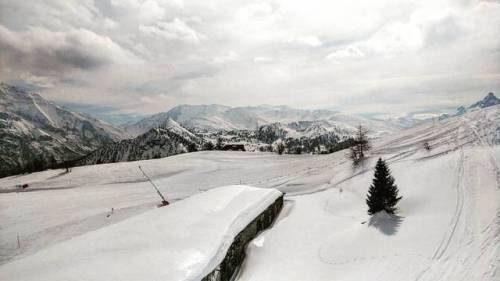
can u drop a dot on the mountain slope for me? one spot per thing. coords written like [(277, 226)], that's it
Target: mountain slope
[(446, 229), (168, 139), (36, 133), (218, 117)]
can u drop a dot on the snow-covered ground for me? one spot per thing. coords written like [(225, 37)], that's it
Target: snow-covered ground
[(447, 228), (58, 206), (184, 241)]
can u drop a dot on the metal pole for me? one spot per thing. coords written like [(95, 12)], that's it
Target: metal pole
[(164, 201)]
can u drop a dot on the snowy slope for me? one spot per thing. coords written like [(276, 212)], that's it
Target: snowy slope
[(447, 227), (58, 206), (34, 128), (184, 241)]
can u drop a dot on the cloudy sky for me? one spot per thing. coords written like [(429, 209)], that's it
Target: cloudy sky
[(139, 57)]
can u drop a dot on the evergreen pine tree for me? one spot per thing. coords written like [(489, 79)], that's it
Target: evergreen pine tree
[(280, 147), (383, 193), (208, 146), (220, 144)]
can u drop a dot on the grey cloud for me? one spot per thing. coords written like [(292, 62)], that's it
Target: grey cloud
[(444, 31), (142, 56), (38, 50), (194, 74)]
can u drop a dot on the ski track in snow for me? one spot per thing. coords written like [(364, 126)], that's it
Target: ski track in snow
[(459, 205), (449, 260), (487, 144)]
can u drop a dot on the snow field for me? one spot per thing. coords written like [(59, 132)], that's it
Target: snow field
[(447, 228), (184, 241)]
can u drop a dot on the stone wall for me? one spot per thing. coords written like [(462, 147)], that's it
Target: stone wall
[(236, 253)]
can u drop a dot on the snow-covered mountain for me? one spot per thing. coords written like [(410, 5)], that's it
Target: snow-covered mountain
[(219, 117), (168, 139), (36, 133), (301, 129), (489, 100), (304, 136)]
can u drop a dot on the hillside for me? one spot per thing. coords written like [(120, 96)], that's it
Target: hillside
[(36, 133), (446, 228), (168, 139)]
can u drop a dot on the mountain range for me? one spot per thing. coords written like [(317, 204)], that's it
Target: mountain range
[(219, 117), (37, 134)]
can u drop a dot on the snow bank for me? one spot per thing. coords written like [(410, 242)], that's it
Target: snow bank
[(184, 241)]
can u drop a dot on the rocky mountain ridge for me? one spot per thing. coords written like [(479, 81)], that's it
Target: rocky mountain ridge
[(37, 134)]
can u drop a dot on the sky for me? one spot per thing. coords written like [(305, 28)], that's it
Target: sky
[(120, 58)]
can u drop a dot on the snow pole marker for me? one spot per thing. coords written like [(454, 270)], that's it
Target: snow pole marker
[(164, 201)]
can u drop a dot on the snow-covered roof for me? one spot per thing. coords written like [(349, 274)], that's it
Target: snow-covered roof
[(184, 241)]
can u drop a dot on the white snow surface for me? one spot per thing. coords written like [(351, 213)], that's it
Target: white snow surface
[(183, 241), (447, 227)]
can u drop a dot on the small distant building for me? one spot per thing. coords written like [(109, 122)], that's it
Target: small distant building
[(321, 149), (234, 147)]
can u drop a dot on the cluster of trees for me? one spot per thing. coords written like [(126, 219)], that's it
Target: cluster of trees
[(156, 143), (220, 145), (35, 163), (209, 145), (303, 145)]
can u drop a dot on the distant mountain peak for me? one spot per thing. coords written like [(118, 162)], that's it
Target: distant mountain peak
[(171, 124), (489, 100)]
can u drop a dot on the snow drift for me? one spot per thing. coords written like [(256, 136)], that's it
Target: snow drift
[(184, 241)]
